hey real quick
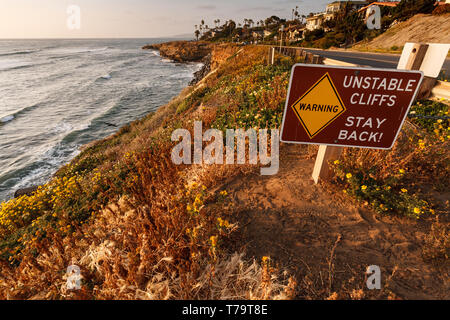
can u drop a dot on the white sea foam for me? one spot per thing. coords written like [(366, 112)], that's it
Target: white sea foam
[(183, 75), (7, 64), (66, 106), (7, 118), (17, 52), (61, 127), (76, 50)]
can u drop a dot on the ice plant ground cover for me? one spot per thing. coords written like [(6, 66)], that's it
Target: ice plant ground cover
[(141, 227)]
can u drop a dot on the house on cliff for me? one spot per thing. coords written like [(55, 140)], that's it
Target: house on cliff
[(317, 20), (362, 11)]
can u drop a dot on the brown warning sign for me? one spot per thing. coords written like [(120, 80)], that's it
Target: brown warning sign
[(341, 106)]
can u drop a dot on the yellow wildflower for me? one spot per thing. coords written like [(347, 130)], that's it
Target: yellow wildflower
[(349, 175), (213, 240), (223, 223), (416, 210), (364, 188)]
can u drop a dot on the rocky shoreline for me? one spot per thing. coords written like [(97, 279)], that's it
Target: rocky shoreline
[(205, 69), (186, 51)]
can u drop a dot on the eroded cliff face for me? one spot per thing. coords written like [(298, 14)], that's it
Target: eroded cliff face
[(211, 55), (194, 51)]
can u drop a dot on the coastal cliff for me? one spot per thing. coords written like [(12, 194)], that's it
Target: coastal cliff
[(211, 55), (182, 51)]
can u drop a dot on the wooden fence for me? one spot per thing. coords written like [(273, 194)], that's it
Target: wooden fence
[(294, 52)]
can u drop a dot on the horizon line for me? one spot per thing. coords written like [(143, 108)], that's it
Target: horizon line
[(98, 38)]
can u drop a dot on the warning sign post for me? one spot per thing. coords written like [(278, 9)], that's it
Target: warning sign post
[(348, 106)]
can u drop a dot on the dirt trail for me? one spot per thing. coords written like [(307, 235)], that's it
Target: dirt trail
[(297, 223)]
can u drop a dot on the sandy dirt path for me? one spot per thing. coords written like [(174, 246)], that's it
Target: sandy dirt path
[(298, 224)]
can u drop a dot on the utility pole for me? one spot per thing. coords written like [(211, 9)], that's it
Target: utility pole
[(281, 37)]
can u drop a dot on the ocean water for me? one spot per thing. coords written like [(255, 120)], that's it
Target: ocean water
[(57, 95)]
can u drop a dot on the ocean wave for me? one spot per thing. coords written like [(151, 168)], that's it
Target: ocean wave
[(119, 112), (104, 78), (14, 65), (183, 75), (7, 118), (13, 53), (71, 51), (37, 172), (154, 52), (61, 128), (84, 105), (12, 116)]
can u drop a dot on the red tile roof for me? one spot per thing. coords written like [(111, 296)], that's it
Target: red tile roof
[(383, 4)]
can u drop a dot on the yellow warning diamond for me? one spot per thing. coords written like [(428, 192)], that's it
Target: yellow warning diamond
[(319, 106)]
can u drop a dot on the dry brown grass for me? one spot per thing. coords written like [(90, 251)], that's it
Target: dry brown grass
[(159, 236)]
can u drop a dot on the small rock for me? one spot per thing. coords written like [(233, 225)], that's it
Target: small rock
[(25, 191)]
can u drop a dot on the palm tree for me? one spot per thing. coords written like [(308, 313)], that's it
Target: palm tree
[(202, 25)]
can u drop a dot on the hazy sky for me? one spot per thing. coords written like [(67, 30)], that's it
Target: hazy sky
[(134, 18)]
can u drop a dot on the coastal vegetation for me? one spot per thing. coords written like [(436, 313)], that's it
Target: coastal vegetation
[(141, 227), (136, 224)]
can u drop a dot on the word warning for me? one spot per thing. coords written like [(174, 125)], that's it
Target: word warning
[(342, 106)]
